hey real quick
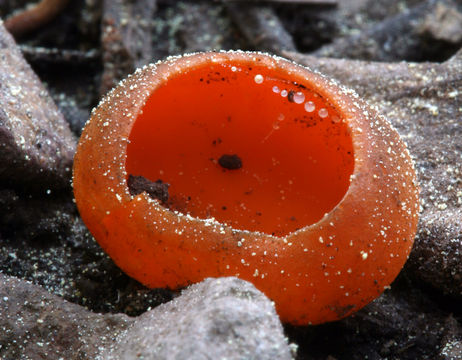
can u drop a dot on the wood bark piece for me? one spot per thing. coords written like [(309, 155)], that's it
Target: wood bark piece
[(423, 101), (411, 35), (30, 19), (126, 38), (261, 27), (36, 145), (42, 55)]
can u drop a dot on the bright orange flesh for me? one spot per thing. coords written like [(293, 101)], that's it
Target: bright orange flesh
[(296, 164), (338, 191)]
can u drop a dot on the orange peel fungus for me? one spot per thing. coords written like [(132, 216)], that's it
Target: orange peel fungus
[(275, 174)]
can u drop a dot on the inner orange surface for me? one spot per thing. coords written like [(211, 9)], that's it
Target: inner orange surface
[(296, 164)]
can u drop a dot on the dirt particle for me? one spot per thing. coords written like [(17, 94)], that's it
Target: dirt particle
[(155, 189), (230, 161)]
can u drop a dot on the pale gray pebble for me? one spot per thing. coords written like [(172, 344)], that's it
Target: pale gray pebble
[(224, 318)]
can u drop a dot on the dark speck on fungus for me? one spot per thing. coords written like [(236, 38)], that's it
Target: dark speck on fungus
[(230, 162)]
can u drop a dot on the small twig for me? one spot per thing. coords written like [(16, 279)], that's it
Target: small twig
[(32, 18), (59, 56)]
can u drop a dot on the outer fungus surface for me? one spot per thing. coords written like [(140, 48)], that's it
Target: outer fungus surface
[(274, 174)]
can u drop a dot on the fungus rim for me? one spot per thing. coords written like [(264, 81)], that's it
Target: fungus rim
[(328, 88), (273, 64)]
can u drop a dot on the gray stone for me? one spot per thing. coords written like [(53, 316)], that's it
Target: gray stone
[(36, 144), (215, 319), (223, 318), (37, 325)]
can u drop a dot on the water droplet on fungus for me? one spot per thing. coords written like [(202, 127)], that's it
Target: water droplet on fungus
[(258, 79), (299, 97), (309, 106), (323, 113)]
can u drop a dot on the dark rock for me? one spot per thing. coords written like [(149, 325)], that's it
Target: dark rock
[(223, 318), (451, 346), (422, 32), (188, 26), (261, 27), (311, 26), (436, 258), (36, 145), (126, 39), (408, 324), (358, 15)]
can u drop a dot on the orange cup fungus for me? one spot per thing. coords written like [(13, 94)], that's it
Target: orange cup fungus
[(242, 164)]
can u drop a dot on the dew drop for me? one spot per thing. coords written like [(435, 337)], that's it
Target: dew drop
[(284, 93), (299, 97), (309, 106), (258, 78), (233, 69), (276, 125), (281, 117), (276, 89), (335, 119), (323, 113)]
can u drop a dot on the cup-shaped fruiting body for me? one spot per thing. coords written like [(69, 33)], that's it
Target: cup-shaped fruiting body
[(252, 166)]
